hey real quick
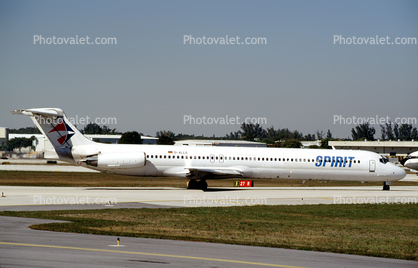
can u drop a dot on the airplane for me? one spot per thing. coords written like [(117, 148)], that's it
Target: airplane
[(411, 161), (199, 164)]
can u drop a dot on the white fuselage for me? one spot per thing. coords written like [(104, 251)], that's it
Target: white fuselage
[(272, 163), (412, 161)]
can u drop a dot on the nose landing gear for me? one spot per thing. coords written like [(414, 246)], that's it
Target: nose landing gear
[(386, 186)]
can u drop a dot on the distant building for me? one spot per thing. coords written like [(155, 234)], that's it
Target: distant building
[(4, 135), (230, 143), (115, 138), (306, 144), (43, 146), (387, 148)]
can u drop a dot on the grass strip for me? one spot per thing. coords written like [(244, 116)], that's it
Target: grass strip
[(81, 179), (381, 230)]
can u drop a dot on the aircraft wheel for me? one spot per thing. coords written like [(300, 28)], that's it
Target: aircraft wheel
[(192, 184), (386, 187), (203, 185)]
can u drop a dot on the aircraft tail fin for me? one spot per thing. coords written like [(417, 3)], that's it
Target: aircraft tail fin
[(62, 134)]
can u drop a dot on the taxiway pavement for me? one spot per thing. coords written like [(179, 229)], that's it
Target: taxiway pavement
[(24, 247)]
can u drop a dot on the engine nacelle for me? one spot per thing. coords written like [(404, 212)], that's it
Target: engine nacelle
[(117, 160)]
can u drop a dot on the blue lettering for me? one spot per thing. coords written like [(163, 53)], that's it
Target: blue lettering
[(326, 159), (339, 160), (318, 161), (351, 160), (336, 161)]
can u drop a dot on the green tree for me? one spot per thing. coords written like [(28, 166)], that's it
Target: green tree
[(93, 128), (329, 134), (407, 132), (290, 143), (26, 130), (165, 137), (130, 137), (324, 143), (363, 131), (320, 134), (250, 132), (19, 143)]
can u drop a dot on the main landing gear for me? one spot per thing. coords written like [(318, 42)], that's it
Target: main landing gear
[(386, 186), (194, 184)]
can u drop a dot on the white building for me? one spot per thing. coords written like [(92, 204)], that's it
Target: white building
[(388, 148), (45, 148), (231, 143)]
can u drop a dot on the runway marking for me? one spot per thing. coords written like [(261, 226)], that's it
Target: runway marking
[(150, 254)]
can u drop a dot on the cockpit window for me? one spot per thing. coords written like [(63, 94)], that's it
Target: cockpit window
[(383, 160)]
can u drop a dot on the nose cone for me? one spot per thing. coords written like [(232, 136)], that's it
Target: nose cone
[(398, 173)]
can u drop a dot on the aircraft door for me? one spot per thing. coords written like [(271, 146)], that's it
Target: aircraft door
[(221, 158), (372, 166)]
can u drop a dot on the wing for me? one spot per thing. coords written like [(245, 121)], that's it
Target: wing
[(218, 173)]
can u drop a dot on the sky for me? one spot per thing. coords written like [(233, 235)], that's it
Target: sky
[(152, 80)]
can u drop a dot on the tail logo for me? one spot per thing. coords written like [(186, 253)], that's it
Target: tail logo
[(64, 131)]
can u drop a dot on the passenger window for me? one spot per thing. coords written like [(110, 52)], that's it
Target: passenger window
[(147, 156)]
